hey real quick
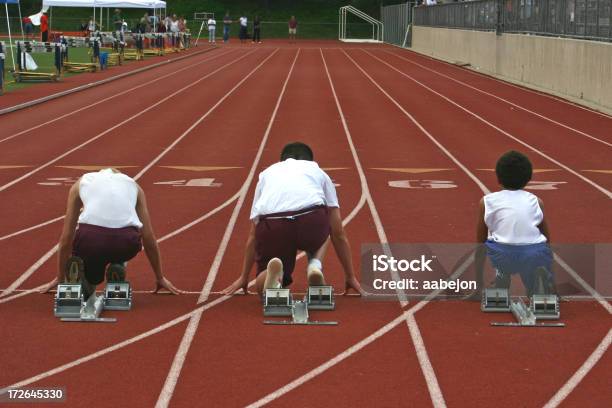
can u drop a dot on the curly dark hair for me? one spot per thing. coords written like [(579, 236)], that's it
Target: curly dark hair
[(297, 151), (513, 170)]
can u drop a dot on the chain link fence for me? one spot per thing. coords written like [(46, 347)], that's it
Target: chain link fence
[(586, 19)]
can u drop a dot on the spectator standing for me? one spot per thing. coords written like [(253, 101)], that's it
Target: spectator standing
[(227, 21), (243, 29), (28, 28), (292, 28), (212, 28), (91, 26), (256, 30), (44, 27)]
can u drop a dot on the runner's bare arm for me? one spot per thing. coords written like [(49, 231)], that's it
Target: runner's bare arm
[(543, 225), (482, 233), (73, 208), (343, 250), (149, 242), (249, 259)]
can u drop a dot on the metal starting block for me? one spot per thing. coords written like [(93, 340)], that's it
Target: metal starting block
[(71, 307), (525, 317), (68, 300), (278, 302), (118, 296), (299, 316), (495, 300), (320, 298), (545, 306)]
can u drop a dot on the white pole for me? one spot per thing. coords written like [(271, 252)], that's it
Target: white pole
[(8, 23)]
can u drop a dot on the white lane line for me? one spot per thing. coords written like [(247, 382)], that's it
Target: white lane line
[(330, 363), (430, 377), (522, 88), (578, 376), (495, 96), (179, 359), (110, 97), (45, 257), (66, 153), (33, 227), (516, 139), (596, 295)]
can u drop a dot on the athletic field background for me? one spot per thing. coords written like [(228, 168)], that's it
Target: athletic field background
[(316, 18)]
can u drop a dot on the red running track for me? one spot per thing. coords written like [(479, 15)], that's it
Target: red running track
[(362, 110)]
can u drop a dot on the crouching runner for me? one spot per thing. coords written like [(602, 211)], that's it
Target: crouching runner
[(111, 229), (295, 208)]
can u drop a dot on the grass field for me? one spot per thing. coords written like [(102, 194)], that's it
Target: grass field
[(45, 64)]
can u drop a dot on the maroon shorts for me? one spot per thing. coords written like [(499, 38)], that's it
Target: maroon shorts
[(100, 246), (281, 235)]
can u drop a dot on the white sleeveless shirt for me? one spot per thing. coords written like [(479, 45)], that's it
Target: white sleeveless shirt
[(109, 200), (513, 216)]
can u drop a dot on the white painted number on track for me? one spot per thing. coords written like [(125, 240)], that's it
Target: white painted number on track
[(544, 185), (422, 184), (199, 182), (59, 181)]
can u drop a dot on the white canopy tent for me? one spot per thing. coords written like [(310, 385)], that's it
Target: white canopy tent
[(108, 4)]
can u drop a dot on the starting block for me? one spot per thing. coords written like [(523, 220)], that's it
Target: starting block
[(118, 296), (525, 317), (278, 302), (495, 300), (68, 301), (70, 305), (545, 306), (320, 298)]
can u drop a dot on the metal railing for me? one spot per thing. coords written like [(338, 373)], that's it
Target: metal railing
[(586, 19), (397, 20)]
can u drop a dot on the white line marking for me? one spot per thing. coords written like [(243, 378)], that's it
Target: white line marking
[(61, 156), (110, 97), (522, 88), (578, 376), (23, 231), (541, 153), (45, 257), (496, 97), (430, 377), (598, 297), (330, 363), (179, 359)]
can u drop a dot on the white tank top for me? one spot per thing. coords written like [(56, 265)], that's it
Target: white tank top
[(513, 216), (109, 200)]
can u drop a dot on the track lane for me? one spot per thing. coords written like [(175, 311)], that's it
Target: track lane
[(541, 134), (449, 316), (553, 107), (299, 108), (179, 252), (116, 148)]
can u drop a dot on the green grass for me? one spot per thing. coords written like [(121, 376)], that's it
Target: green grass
[(45, 62)]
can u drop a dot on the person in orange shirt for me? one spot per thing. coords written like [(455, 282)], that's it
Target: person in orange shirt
[(44, 28)]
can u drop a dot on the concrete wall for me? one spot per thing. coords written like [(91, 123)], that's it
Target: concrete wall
[(574, 69)]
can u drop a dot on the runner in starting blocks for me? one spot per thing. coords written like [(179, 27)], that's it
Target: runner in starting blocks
[(295, 209), (107, 223)]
